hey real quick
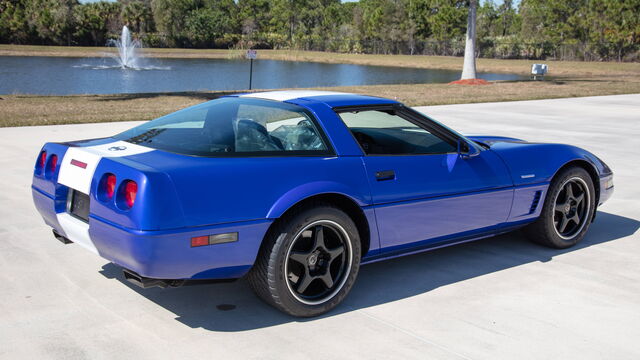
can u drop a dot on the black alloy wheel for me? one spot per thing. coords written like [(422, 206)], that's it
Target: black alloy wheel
[(567, 211), (318, 261), (308, 261), (571, 207)]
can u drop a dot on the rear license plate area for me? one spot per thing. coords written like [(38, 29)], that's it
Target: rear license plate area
[(78, 205)]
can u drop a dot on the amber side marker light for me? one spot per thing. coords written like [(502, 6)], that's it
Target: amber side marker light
[(214, 239)]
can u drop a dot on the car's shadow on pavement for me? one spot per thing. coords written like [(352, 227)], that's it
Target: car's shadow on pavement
[(233, 307)]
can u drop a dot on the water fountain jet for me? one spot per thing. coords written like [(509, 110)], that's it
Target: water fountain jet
[(127, 49)]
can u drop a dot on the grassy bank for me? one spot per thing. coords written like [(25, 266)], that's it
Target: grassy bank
[(557, 68), (23, 110)]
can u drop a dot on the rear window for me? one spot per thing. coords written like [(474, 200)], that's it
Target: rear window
[(233, 127)]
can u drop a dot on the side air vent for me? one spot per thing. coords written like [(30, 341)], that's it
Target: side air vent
[(536, 201)]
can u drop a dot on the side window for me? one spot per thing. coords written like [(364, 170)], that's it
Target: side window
[(386, 133), (260, 128)]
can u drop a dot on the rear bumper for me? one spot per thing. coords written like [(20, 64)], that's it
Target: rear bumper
[(163, 254)]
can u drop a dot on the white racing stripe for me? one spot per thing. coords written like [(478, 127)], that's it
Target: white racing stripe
[(80, 163), (117, 149), (78, 176), (76, 231), (285, 95), (76, 171)]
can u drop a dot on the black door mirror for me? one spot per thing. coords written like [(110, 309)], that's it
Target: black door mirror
[(466, 150)]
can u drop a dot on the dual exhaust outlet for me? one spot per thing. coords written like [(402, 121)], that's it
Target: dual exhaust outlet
[(145, 282)]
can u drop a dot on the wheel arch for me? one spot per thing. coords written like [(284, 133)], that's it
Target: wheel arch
[(340, 201)]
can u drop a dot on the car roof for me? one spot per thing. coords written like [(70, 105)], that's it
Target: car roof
[(330, 98)]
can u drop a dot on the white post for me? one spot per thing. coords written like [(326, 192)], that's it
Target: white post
[(469, 67)]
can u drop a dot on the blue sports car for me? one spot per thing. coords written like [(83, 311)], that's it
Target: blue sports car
[(296, 189)]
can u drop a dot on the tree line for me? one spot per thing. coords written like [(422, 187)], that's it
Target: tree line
[(565, 29)]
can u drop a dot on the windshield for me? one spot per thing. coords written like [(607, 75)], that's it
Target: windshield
[(233, 126)]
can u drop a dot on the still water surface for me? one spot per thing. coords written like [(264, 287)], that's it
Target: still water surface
[(64, 76)]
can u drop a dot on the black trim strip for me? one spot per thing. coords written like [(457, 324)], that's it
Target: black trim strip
[(453, 195)]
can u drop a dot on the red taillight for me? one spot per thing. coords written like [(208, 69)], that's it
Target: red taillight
[(42, 160), (130, 192), (53, 163), (199, 241), (110, 186)]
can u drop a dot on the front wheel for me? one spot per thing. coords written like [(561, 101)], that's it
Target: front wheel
[(309, 262), (567, 211)]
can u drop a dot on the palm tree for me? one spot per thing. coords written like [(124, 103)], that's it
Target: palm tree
[(135, 14), (469, 67)]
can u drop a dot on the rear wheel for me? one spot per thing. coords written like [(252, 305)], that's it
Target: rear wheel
[(567, 211), (309, 263)]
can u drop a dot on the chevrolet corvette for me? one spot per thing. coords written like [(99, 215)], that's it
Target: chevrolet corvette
[(294, 190)]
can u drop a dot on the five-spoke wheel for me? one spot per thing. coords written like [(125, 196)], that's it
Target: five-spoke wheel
[(571, 207), (317, 261), (567, 210), (309, 261)]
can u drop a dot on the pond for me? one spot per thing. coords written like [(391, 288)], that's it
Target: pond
[(67, 75)]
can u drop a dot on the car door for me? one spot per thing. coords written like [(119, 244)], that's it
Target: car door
[(424, 188)]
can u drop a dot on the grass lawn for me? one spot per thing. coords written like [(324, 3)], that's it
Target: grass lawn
[(570, 79), (23, 110)]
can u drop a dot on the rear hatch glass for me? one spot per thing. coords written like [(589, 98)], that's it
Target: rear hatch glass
[(234, 127)]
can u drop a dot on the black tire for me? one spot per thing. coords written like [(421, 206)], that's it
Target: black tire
[(567, 211), (328, 241)]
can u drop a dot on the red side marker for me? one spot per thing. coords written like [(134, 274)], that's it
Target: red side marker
[(79, 164)]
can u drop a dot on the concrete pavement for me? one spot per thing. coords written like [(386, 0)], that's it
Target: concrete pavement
[(499, 298)]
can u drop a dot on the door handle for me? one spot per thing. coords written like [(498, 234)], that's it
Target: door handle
[(385, 175)]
